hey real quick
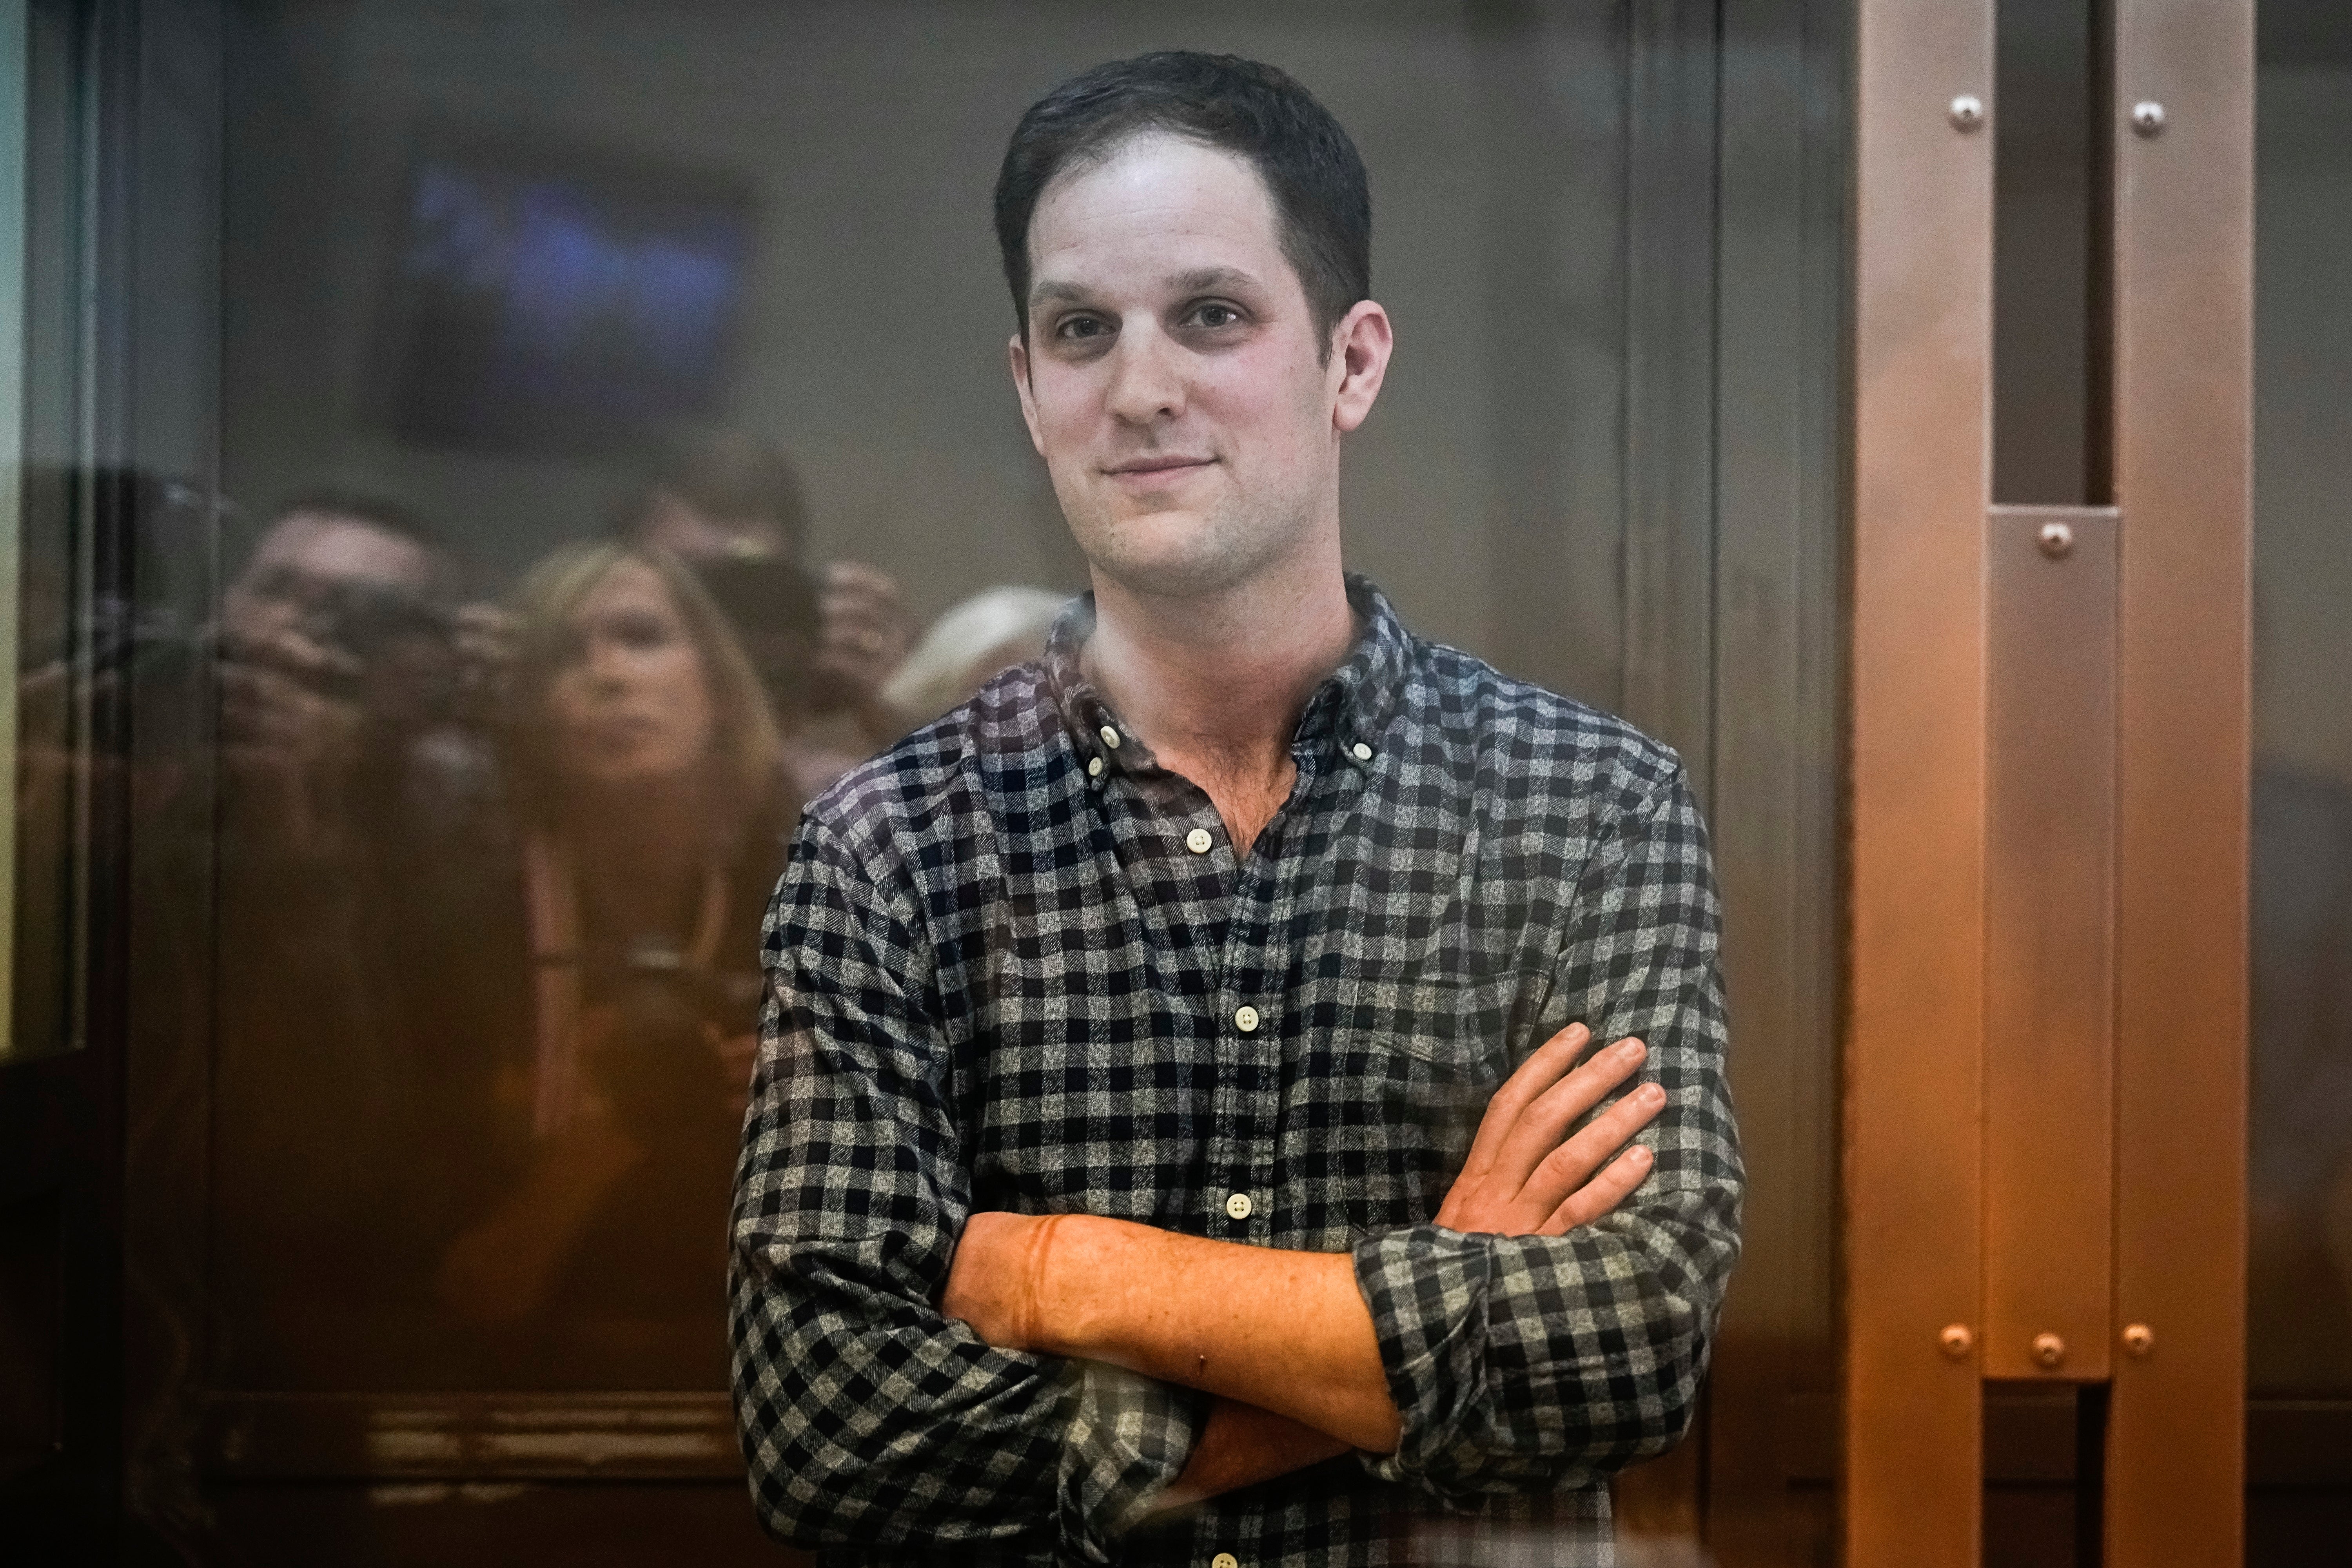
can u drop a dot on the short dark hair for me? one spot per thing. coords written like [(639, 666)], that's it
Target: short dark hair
[(1323, 203)]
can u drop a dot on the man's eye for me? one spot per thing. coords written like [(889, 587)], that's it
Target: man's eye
[(1081, 327), (1215, 315)]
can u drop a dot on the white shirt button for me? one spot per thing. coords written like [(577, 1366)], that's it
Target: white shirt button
[(1198, 841), (1238, 1206), (1110, 737), (1224, 1560), (1094, 767), (1360, 751), (1245, 1019)]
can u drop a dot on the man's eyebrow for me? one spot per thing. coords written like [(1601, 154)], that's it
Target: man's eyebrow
[(1198, 281), (1208, 277)]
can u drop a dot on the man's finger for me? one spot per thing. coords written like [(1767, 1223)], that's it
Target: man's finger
[(1572, 1162), (1602, 1194), (1547, 1119), (1544, 1066)]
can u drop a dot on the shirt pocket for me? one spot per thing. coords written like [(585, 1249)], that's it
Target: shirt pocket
[(1399, 1073)]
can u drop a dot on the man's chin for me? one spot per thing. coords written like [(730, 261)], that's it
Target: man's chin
[(1173, 573)]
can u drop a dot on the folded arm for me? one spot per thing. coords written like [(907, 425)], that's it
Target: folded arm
[(1285, 1338)]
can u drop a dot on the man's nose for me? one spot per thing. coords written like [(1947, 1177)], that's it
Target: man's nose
[(1147, 380)]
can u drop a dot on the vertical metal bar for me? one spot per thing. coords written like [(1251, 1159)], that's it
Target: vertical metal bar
[(2050, 815), (1912, 1415), (2184, 260)]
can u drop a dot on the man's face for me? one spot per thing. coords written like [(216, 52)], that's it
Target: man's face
[(308, 561), (1171, 375)]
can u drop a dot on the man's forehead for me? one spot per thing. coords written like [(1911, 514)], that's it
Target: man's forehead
[(1157, 209), (330, 545)]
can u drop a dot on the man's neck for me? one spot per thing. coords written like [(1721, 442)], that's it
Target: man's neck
[(1215, 685)]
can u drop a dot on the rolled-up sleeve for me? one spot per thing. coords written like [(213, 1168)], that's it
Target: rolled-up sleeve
[(1523, 1363), (867, 1418)]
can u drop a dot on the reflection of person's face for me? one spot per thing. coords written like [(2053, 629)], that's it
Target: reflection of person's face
[(698, 539), (632, 703), (306, 560), (1170, 375)]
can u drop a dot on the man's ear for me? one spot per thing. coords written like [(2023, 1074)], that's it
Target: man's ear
[(1018, 351), (1361, 346)]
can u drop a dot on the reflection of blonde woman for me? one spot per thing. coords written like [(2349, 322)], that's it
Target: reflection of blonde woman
[(647, 773)]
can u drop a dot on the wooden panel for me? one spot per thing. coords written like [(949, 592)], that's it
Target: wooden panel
[(2184, 278), (2048, 1156), (1913, 1092)]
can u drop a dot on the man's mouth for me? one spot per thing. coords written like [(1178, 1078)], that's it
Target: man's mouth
[(1159, 465)]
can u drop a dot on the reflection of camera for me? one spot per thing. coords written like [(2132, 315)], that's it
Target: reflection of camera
[(659, 1069), (402, 642), (370, 622), (772, 605)]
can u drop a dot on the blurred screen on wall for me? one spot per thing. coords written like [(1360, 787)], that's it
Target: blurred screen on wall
[(549, 301)]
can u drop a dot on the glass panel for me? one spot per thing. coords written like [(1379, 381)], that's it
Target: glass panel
[(501, 299), (71, 641), (617, 445), (2299, 1339)]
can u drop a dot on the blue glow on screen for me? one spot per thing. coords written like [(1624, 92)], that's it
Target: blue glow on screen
[(538, 301)]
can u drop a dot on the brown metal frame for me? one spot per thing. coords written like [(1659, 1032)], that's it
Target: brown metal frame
[(1911, 1425), (2046, 1050), (2183, 446)]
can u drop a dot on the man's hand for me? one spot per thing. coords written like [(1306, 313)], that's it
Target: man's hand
[(866, 627), (1525, 1176)]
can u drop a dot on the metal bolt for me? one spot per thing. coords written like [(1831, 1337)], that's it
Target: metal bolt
[(2049, 1350), (2057, 539), (2147, 117), (2139, 1338), (1957, 1340), (1968, 111)]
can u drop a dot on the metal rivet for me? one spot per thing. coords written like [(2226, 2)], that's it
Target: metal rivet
[(2049, 1350), (2139, 1338), (1967, 111), (2057, 539), (2147, 117), (1957, 1340)]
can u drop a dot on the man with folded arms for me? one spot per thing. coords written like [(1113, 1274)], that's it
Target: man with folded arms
[(1248, 1088)]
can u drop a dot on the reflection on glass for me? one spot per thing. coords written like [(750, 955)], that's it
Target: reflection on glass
[(2299, 1324), (638, 376)]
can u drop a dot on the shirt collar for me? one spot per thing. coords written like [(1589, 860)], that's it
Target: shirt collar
[(1348, 709)]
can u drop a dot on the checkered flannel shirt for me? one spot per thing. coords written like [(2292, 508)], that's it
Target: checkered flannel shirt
[(1008, 965)]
